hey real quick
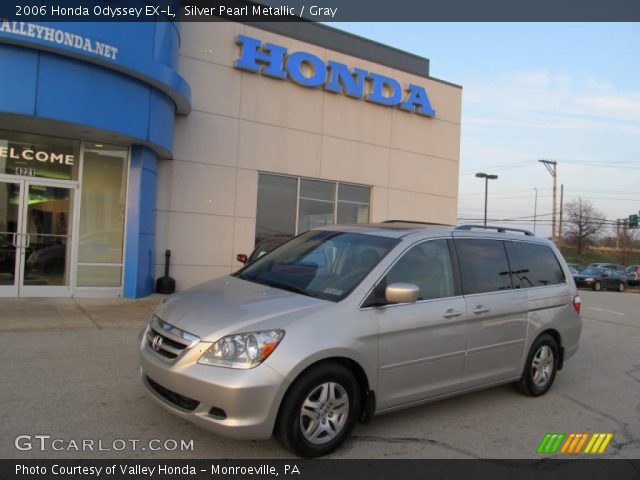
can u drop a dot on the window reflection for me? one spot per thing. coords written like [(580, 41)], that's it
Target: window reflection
[(102, 214), (288, 205)]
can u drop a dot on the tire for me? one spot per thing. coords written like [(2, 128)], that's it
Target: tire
[(536, 381), (621, 287), (597, 286), (335, 416)]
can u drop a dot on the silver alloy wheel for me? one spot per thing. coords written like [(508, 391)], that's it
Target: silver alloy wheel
[(324, 413), (621, 287), (597, 287), (542, 366)]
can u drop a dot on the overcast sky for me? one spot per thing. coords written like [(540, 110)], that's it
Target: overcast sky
[(568, 92)]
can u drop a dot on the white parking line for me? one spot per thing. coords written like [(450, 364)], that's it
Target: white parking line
[(607, 311)]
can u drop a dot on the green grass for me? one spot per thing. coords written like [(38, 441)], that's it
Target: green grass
[(595, 256)]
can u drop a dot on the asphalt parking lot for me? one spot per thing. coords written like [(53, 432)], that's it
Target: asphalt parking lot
[(69, 369)]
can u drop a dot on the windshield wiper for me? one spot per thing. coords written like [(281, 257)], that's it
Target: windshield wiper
[(282, 286), (290, 288)]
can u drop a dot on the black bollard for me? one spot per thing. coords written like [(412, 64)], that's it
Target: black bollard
[(166, 284)]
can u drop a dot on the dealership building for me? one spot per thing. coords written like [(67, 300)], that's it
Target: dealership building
[(119, 141)]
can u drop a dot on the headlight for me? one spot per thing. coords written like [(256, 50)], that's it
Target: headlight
[(590, 279), (243, 350)]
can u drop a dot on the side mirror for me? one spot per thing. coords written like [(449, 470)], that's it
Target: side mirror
[(402, 293), (242, 258)]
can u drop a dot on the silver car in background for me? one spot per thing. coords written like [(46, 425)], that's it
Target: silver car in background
[(346, 322)]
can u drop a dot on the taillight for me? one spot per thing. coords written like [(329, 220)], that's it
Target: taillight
[(577, 303)]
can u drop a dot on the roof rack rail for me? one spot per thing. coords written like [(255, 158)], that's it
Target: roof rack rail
[(497, 229), (414, 221)]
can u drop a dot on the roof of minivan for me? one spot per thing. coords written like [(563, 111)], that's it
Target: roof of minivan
[(400, 229), (389, 229)]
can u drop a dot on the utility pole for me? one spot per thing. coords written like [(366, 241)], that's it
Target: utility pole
[(535, 211), (486, 190), (560, 222), (552, 168)]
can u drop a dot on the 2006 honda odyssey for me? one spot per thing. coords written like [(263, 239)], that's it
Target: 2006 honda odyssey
[(345, 322)]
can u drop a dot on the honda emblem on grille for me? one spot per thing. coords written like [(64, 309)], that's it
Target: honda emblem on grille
[(156, 343)]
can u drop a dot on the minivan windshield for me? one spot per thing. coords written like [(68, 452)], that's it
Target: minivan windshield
[(320, 263)]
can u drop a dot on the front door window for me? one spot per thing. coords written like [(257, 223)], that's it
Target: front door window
[(35, 239), (47, 236), (9, 227)]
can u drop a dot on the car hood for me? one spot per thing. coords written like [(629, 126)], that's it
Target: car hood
[(230, 305)]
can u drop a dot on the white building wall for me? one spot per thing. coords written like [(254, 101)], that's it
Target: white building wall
[(243, 123)]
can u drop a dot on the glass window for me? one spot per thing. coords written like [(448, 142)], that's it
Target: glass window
[(428, 266), (102, 214), (484, 265), (535, 265), (276, 212), (353, 204), (38, 156), (316, 203), (317, 190), (321, 264)]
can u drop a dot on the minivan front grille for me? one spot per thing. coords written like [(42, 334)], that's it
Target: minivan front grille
[(168, 341), (172, 397)]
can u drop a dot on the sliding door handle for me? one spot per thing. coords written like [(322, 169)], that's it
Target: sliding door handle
[(451, 313), (480, 309)]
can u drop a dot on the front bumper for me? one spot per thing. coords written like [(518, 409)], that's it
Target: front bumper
[(249, 399)]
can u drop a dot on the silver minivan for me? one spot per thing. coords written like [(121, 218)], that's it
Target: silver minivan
[(345, 322)]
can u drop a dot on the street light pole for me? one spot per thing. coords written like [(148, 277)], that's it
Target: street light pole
[(486, 190), (535, 211)]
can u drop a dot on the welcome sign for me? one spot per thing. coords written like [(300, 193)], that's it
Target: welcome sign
[(308, 70), (36, 156)]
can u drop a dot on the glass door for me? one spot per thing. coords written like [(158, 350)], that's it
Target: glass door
[(10, 226), (45, 240)]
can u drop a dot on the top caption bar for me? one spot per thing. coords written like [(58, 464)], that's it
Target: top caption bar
[(319, 10)]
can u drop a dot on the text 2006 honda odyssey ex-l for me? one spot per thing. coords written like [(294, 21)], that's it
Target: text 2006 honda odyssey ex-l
[(345, 322)]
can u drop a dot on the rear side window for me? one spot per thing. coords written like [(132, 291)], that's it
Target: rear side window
[(483, 265), (535, 265)]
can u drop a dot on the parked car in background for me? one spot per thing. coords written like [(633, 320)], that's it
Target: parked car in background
[(576, 266), (613, 266), (601, 279), (632, 272), (263, 247)]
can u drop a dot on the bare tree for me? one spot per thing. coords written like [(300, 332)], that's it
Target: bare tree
[(583, 223)]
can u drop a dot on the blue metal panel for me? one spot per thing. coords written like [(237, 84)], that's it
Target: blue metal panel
[(167, 43), (18, 80), (161, 120), (92, 96), (139, 266), (142, 52)]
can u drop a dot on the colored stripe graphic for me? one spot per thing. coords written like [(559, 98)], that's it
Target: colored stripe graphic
[(551, 442), (598, 442), (581, 442), (574, 442)]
